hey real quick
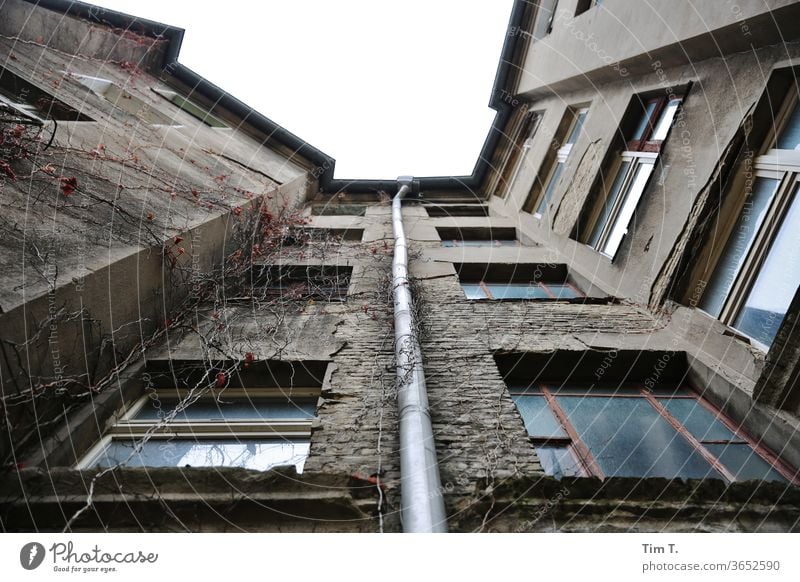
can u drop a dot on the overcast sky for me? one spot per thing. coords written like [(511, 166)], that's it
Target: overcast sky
[(386, 88)]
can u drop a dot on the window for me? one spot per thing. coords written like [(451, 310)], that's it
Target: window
[(649, 122), (465, 210), (600, 422), (584, 5), (553, 166), (21, 102), (122, 99), (545, 14), (254, 428), (521, 142), (336, 209), (477, 237), (498, 282), (298, 283), (191, 108), (298, 237), (757, 273)]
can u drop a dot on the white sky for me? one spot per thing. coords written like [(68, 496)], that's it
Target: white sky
[(386, 88)]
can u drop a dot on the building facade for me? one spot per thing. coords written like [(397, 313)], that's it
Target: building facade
[(197, 318)]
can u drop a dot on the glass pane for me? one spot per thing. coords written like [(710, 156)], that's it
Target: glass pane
[(744, 462), (628, 438), (562, 291), (625, 387), (776, 284), (551, 186), (790, 134), (738, 244), (665, 120), (576, 130), (478, 243), (623, 219), (642, 127), (697, 419), (258, 454), (517, 291), (613, 193), (540, 422), (473, 291), (558, 461), (231, 409)]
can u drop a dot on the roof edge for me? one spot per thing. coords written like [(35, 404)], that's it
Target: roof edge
[(324, 163)]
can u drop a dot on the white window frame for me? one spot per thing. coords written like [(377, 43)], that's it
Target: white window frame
[(625, 202), (128, 428)]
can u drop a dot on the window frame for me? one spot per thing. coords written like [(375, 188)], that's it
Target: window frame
[(128, 428), (624, 200), (589, 466), (484, 285), (639, 151), (28, 111), (478, 237), (553, 165), (124, 100), (516, 157), (772, 164), (310, 280)]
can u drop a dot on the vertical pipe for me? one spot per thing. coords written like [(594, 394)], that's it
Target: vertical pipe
[(422, 505)]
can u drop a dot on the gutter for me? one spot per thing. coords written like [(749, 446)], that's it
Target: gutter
[(421, 504)]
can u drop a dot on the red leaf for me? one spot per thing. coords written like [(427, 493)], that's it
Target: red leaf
[(220, 381), (69, 185)]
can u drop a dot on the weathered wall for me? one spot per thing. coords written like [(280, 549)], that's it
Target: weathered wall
[(90, 271)]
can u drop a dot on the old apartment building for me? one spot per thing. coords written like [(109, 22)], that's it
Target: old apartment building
[(203, 330)]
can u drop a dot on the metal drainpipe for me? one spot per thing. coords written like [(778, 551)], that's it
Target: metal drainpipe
[(422, 505)]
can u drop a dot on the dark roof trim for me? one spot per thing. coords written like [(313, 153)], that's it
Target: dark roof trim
[(280, 135)]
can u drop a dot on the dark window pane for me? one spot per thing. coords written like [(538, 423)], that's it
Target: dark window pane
[(558, 461), (744, 462), (732, 257), (233, 409), (540, 422), (258, 454), (642, 127), (790, 135), (697, 419), (776, 284), (628, 438)]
